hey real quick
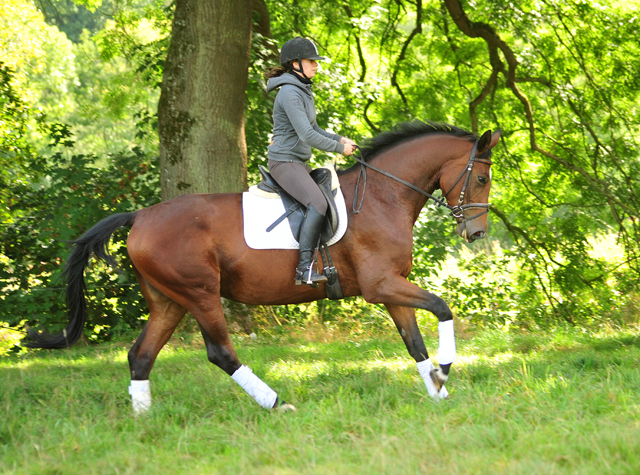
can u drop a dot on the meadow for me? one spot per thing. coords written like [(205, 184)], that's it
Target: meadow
[(546, 403)]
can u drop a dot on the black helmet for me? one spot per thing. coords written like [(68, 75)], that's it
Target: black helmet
[(297, 49)]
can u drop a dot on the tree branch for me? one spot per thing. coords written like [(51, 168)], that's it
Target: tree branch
[(262, 25), (543, 81), (515, 231), (371, 125), (486, 32), (403, 52), (599, 144), (476, 102), (363, 64), (445, 29)]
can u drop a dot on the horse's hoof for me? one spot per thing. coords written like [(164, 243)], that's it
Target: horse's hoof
[(443, 393), (438, 378), (285, 408)]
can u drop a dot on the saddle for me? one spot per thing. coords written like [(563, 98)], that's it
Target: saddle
[(295, 211)]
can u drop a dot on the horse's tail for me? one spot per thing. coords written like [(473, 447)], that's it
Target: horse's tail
[(95, 241)]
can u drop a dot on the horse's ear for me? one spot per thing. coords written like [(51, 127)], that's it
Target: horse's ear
[(495, 138), (488, 141)]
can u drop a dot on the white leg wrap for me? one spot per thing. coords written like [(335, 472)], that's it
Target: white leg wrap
[(140, 396), (447, 348), (425, 367), (255, 387)]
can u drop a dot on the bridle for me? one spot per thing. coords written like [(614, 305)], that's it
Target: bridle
[(457, 211)]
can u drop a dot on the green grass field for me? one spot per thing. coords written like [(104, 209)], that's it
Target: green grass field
[(524, 404)]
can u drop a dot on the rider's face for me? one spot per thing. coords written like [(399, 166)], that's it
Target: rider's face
[(309, 67)]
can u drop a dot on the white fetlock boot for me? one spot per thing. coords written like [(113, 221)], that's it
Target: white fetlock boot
[(433, 380), (140, 396)]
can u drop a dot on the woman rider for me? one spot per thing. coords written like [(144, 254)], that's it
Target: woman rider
[(295, 131)]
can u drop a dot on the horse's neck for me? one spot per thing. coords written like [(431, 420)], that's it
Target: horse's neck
[(418, 162)]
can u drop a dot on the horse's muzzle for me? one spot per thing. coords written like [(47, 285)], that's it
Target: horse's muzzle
[(476, 236), (470, 233)]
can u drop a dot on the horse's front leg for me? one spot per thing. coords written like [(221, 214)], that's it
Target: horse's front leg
[(434, 379), (400, 297)]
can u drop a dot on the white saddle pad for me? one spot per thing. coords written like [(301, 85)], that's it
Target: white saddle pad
[(259, 213)]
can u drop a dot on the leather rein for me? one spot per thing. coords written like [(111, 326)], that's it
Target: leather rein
[(457, 211)]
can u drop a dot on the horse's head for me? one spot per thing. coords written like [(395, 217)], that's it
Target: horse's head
[(466, 182)]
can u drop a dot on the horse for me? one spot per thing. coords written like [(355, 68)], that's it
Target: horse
[(189, 251)]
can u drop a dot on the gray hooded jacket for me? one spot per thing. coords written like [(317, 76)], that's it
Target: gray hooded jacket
[(295, 129)]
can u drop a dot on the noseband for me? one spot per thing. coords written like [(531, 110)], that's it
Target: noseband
[(457, 211)]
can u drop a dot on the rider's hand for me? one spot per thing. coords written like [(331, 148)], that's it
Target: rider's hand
[(349, 149), (347, 141)]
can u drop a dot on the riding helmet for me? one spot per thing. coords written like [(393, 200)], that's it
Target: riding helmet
[(297, 49)]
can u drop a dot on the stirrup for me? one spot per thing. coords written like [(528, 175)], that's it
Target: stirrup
[(309, 277)]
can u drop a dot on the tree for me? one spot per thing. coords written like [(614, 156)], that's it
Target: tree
[(201, 109)]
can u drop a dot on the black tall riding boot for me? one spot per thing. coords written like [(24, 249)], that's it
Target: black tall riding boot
[(309, 235)]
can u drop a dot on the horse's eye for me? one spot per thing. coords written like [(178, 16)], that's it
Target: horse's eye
[(482, 179)]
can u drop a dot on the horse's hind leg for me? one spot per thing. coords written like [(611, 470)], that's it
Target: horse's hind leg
[(164, 316), (210, 318)]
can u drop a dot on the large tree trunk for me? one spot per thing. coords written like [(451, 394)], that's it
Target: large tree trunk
[(201, 109)]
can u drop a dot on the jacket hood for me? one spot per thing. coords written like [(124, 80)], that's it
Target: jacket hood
[(287, 78)]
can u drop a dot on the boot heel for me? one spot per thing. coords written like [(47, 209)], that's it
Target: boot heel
[(298, 282)]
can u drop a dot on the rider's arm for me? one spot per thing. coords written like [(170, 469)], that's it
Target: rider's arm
[(321, 131), (294, 108)]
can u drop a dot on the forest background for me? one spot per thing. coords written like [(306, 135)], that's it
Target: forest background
[(79, 90)]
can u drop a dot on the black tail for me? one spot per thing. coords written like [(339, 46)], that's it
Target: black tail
[(95, 241)]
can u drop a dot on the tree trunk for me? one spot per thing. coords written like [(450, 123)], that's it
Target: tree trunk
[(201, 108)]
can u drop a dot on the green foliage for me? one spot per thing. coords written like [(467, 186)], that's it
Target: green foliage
[(46, 217), (352, 315), (16, 153), (52, 200), (73, 18), (489, 295), (576, 71), (433, 240)]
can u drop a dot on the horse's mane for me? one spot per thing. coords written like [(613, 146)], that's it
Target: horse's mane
[(406, 131)]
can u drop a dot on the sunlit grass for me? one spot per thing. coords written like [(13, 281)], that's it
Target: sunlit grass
[(567, 402)]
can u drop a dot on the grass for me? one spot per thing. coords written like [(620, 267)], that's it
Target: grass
[(520, 404)]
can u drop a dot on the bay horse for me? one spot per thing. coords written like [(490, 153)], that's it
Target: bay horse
[(189, 251)]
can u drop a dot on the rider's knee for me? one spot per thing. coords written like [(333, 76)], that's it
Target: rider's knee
[(320, 206)]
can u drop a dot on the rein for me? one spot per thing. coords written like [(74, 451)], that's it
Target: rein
[(457, 211)]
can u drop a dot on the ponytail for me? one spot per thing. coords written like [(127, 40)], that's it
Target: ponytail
[(278, 71)]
